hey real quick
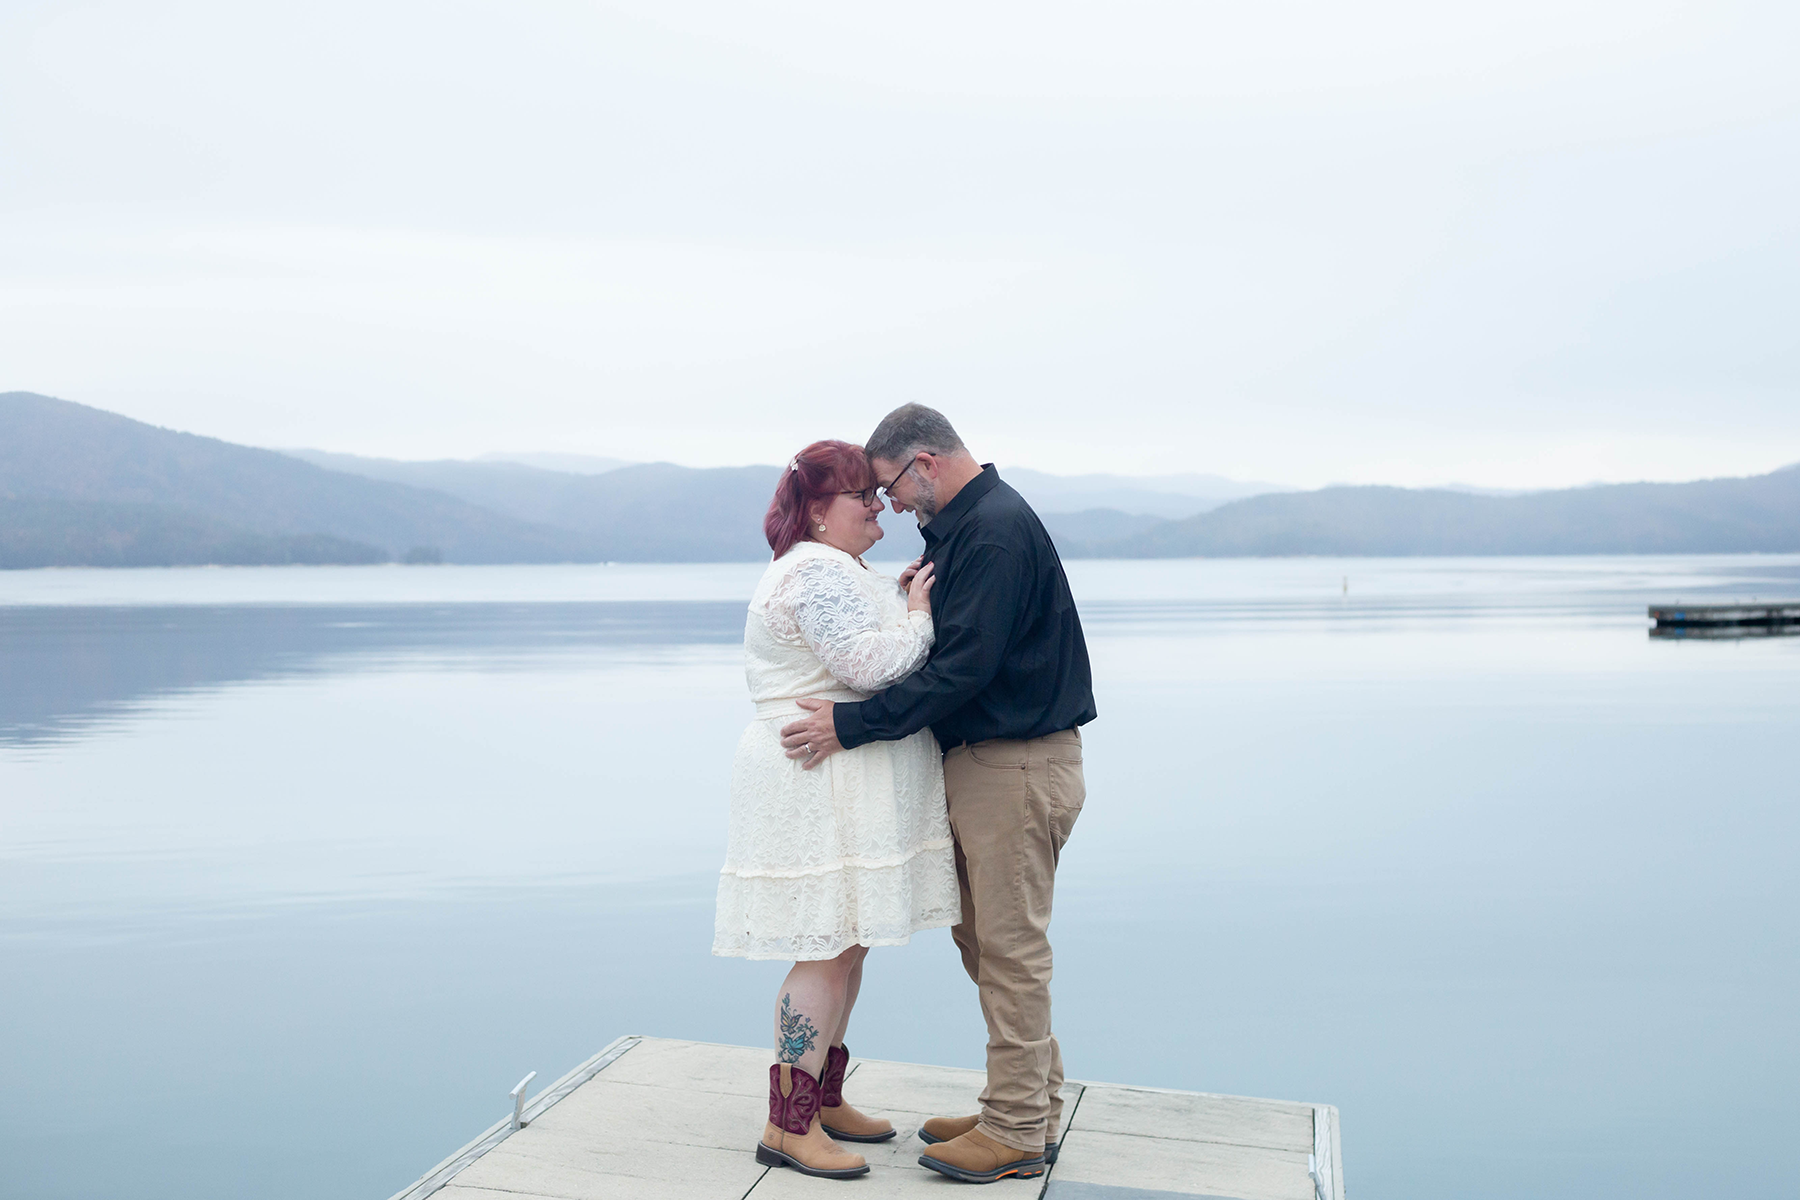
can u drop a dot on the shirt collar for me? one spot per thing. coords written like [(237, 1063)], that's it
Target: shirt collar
[(952, 514)]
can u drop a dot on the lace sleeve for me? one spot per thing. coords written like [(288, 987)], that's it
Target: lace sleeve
[(840, 624)]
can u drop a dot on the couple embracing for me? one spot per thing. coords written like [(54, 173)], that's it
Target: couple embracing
[(915, 762)]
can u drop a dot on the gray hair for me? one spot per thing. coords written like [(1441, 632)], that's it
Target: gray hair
[(910, 429)]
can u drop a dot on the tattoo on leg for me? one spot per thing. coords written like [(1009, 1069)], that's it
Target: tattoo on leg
[(798, 1035)]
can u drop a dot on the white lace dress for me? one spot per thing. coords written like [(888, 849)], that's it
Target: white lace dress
[(857, 850)]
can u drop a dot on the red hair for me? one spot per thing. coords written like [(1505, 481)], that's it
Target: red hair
[(819, 472)]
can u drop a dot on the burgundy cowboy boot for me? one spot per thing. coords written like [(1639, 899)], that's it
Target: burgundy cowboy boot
[(793, 1138), (841, 1120)]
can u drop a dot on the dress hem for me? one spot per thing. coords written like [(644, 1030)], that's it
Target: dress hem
[(845, 945)]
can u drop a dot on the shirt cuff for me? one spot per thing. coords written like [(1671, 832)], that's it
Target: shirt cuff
[(846, 718)]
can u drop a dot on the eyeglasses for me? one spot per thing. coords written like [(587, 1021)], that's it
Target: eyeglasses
[(865, 497), (887, 489)]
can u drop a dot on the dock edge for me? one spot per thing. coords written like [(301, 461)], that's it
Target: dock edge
[(502, 1129), (1326, 1162)]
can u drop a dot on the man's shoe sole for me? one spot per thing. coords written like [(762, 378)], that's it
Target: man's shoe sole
[(932, 1139), (768, 1156), (1025, 1168), (859, 1137)]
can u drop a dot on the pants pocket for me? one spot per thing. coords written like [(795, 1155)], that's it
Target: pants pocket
[(985, 791), (1068, 792)]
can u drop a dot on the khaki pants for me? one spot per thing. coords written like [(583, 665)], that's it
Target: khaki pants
[(1012, 805)]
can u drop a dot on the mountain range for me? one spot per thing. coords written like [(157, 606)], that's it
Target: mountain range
[(1711, 516), (508, 484), (633, 512), (1170, 497), (81, 486)]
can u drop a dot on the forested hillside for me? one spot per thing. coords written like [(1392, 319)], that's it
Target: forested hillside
[(92, 472)]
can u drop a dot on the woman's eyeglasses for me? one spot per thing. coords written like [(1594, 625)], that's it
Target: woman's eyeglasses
[(865, 497)]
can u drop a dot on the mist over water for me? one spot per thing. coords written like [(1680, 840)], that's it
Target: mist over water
[(300, 870)]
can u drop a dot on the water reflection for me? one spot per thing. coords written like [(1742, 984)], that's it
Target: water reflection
[(1723, 633), (67, 671)]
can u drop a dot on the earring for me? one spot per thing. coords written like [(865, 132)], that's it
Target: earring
[(821, 527)]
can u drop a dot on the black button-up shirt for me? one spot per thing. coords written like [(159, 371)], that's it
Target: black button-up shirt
[(1009, 660)]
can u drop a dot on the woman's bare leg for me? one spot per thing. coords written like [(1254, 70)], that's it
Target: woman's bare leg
[(852, 985), (810, 1006)]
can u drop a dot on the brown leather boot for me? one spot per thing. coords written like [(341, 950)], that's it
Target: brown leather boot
[(942, 1129), (792, 1138), (977, 1158), (841, 1120)]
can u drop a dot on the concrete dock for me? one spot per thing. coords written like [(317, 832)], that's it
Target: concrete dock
[(659, 1118)]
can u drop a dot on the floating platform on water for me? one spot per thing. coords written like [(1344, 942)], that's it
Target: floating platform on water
[(656, 1118), (1725, 620)]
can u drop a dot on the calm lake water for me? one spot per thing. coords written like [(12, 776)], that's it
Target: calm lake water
[(301, 870)]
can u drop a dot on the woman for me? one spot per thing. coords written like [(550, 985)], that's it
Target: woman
[(823, 864)]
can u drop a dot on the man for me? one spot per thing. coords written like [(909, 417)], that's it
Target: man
[(1005, 690)]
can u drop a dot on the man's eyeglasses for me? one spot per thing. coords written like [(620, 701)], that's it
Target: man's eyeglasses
[(887, 489)]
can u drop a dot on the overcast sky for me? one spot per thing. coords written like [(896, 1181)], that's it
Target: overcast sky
[(1520, 244)]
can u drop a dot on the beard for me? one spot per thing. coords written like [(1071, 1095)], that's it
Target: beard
[(925, 500)]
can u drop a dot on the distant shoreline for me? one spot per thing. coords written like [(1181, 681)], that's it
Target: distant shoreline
[(891, 565)]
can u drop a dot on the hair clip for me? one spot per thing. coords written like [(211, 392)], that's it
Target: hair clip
[(794, 463)]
